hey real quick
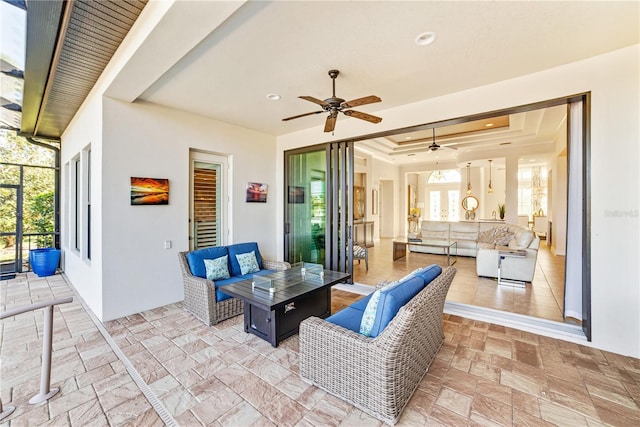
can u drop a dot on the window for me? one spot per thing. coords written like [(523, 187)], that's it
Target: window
[(434, 205), (444, 177), (75, 198), (454, 202), (444, 195), (532, 190), (79, 171), (87, 180)]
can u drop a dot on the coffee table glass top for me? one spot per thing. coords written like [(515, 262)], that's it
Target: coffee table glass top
[(298, 273), (287, 285), (425, 242)]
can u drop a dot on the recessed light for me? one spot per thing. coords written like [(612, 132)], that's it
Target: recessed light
[(412, 154), (505, 143), (273, 97), (407, 137), (426, 38), (489, 125)]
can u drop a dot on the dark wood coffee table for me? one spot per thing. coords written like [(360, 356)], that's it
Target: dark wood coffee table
[(275, 315)]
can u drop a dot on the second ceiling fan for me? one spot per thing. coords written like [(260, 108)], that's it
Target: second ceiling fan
[(335, 105)]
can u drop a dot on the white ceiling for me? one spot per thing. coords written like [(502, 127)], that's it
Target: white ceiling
[(287, 48)]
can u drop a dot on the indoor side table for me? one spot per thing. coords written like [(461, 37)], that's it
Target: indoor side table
[(502, 255)]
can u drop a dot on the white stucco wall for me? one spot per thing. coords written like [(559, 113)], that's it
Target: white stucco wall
[(614, 82), (145, 140), (85, 274)]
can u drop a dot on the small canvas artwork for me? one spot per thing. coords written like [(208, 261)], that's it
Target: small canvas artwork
[(296, 194), (256, 192), (149, 191)]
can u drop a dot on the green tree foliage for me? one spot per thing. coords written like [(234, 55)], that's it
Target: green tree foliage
[(41, 216), (38, 185)]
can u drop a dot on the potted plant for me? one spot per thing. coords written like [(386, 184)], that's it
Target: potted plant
[(501, 210)]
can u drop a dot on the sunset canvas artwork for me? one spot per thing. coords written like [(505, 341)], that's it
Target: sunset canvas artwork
[(149, 191)]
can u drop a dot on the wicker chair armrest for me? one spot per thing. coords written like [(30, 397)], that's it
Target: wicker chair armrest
[(325, 341), (200, 286), (275, 265)]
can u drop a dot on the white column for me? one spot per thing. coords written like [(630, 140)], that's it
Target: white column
[(511, 189)]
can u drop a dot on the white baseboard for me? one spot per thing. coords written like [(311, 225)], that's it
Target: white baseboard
[(356, 288), (547, 328)]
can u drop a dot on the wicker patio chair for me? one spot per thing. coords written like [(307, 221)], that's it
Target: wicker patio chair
[(200, 294), (377, 375)]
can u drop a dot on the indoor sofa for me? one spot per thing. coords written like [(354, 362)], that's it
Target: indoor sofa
[(484, 241), (204, 295), (379, 368)]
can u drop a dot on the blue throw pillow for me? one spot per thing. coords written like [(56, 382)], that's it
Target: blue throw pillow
[(370, 312), (248, 263), (242, 248), (217, 268), (390, 301), (196, 259)]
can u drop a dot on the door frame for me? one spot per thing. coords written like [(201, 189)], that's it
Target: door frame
[(585, 99), (225, 185)]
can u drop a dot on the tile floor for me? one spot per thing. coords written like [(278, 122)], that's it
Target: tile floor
[(542, 298), (484, 374)]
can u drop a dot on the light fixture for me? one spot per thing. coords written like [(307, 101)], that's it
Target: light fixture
[(273, 97), (468, 178), (490, 189), (426, 38)]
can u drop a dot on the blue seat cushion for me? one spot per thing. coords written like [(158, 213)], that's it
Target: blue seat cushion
[(391, 300), (348, 318), (242, 248), (196, 259), (361, 304)]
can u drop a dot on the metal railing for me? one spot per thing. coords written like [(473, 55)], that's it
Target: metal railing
[(46, 392), (18, 262)]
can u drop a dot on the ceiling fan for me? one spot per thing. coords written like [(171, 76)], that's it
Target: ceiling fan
[(335, 105), (434, 146)]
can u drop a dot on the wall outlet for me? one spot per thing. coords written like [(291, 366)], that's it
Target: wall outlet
[(167, 244)]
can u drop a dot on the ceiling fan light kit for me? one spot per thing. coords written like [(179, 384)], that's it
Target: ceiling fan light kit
[(335, 105)]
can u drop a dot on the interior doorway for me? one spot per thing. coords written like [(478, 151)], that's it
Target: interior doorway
[(576, 135)]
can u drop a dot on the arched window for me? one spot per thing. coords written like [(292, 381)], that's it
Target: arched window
[(444, 177)]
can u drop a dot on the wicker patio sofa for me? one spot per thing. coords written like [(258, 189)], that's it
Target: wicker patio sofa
[(205, 299), (378, 375)]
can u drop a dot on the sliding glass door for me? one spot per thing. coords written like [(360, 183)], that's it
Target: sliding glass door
[(319, 206), (306, 206)]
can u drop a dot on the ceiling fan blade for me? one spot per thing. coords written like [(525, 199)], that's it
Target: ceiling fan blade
[(363, 116), (330, 124), (314, 100), (302, 115), (361, 101)]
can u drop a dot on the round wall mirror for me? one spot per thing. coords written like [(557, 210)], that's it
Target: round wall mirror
[(470, 203)]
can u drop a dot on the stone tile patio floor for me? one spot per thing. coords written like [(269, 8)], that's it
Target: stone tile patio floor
[(484, 374)]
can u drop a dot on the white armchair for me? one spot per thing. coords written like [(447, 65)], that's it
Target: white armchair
[(513, 268)]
